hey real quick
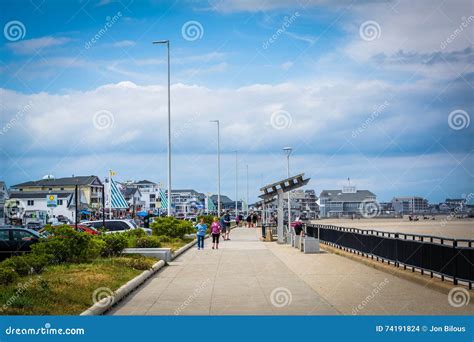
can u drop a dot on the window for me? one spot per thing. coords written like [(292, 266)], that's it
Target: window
[(114, 226), (152, 197), (30, 203), (62, 188), (60, 202), (50, 189), (152, 205), (22, 235), (4, 235)]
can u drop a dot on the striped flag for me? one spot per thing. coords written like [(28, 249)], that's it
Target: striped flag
[(117, 199), (210, 204), (164, 199)]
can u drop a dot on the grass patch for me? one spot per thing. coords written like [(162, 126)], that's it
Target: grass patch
[(67, 289), (176, 244)]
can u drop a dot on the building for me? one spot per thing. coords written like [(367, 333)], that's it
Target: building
[(149, 193), (90, 187), (133, 197), (33, 203), (304, 203), (187, 201), (345, 202), (4, 195), (409, 205)]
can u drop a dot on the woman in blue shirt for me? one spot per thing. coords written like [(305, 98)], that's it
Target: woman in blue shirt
[(201, 228)]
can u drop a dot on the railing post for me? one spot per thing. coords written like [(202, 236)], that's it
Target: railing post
[(396, 250), (455, 277)]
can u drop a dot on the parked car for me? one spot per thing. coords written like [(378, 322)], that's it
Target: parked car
[(16, 240), (116, 226), (34, 225), (80, 228)]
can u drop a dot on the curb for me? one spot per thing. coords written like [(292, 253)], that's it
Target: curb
[(183, 249), (106, 303), (415, 277)]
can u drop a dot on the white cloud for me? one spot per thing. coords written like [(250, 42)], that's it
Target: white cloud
[(124, 43), (30, 46)]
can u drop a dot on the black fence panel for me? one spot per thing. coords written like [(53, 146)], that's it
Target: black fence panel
[(444, 258)]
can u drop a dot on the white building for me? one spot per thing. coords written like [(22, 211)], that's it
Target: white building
[(32, 201), (149, 193), (3, 197)]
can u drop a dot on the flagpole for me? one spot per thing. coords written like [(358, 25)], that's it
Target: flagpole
[(110, 194)]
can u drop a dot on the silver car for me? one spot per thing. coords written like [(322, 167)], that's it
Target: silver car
[(116, 226)]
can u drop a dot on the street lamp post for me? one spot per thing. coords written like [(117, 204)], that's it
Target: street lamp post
[(236, 183), (247, 167), (167, 42), (288, 151), (218, 168)]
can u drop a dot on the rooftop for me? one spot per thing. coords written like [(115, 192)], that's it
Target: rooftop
[(65, 181), (339, 196)]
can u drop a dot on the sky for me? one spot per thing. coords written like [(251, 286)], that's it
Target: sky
[(380, 92)]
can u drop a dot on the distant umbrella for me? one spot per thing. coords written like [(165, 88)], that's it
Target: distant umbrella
[(142, 213)]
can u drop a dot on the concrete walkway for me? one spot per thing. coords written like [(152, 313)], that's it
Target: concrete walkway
[(249, 277)]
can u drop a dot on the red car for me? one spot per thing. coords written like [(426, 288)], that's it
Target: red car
[(80, 228)]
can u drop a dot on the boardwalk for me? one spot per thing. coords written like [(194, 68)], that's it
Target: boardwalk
[(249, 277)]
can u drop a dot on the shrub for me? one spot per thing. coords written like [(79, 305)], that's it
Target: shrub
[(171, 227), (113, 244), (164, 238), (28, 264), (7, 275), (148, 242), (68, 245)]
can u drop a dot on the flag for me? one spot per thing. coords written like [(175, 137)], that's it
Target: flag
[(163, 199), (117, 199), (112, 173), (210, 204)]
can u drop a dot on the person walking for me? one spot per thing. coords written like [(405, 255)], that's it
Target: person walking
[(201, 228), (237, 220), (216, 232), (249, 220), (225, 226), (254, 219)]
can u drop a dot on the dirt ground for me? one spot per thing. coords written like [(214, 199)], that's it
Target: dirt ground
[(452, 228)]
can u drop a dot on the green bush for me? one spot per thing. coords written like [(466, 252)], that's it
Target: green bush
[(28, 263), (68, 245), (148, 242), (171, 227), (7, 275), (164, 239), (113, 244)]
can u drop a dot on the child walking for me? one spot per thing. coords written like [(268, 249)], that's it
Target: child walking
[(201, 233), (216, 232)]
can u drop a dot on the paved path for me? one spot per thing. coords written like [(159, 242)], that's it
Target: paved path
[(249, 277)]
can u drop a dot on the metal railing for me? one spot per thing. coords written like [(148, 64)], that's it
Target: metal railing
[(446, 257)]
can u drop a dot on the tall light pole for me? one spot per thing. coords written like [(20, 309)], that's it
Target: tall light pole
[(167, 42), (218, 167), (288, 151), (247, 167), (236, 183)]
